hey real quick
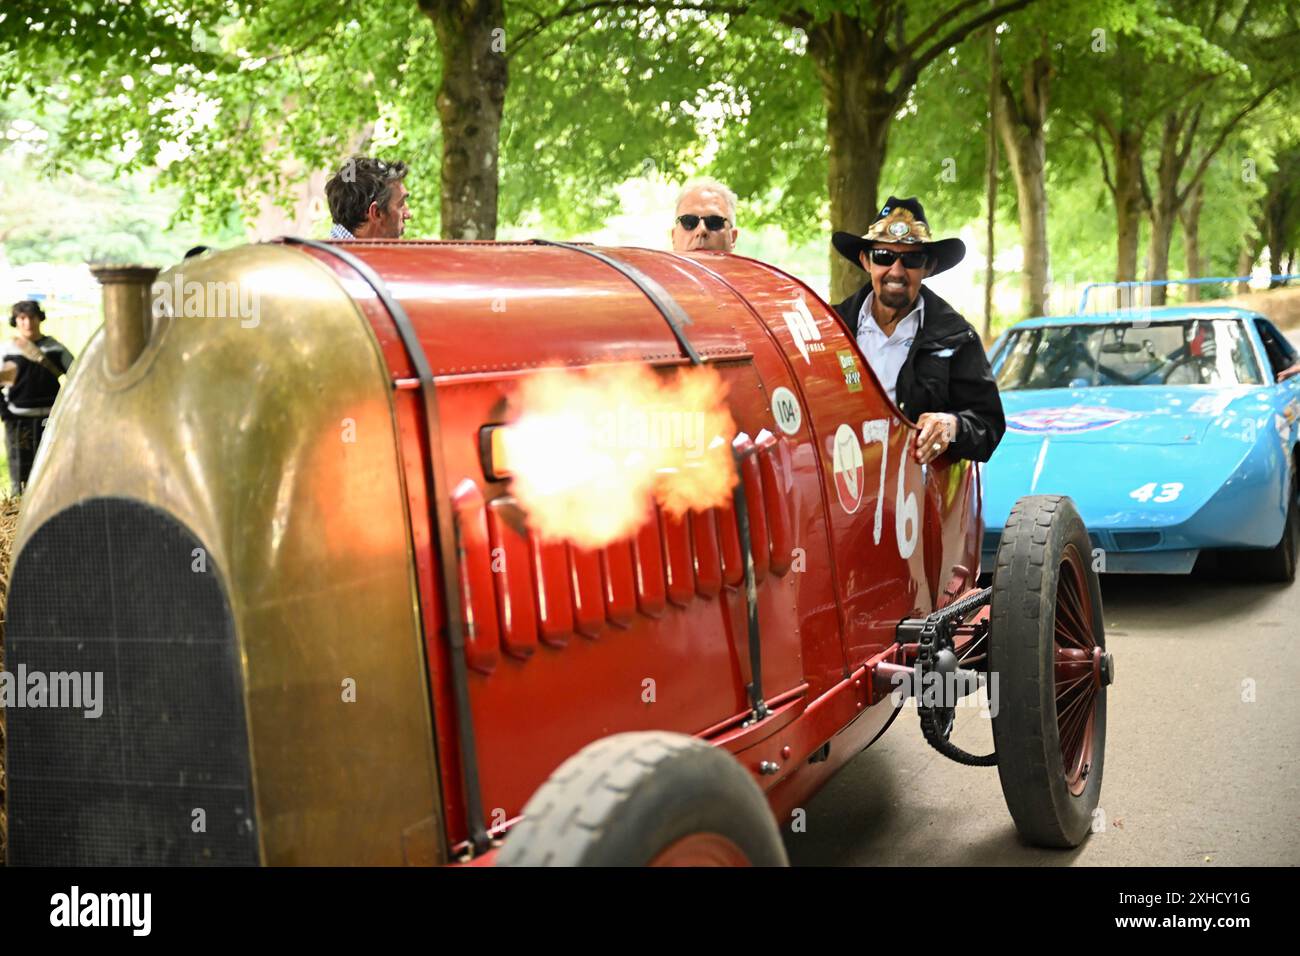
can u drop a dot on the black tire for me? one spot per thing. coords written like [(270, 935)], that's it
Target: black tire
[(1042, 533), (623, 800), (1277, 564)]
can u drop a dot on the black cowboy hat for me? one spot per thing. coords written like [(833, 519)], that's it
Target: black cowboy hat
[(901, 220)]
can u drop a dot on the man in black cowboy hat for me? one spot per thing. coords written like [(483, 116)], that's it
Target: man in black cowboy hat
[(929, 359)]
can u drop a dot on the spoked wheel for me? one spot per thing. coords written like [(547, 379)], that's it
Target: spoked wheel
[(1078, 661), (1047, 650)]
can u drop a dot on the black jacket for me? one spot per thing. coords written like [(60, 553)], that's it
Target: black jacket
[(946, 370), (34, 390)]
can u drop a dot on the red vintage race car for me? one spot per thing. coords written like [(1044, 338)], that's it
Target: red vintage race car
[(278, 513)]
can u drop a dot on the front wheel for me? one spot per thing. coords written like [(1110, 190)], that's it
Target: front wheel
[(646, 799), (1278, 564), (1047, 649)]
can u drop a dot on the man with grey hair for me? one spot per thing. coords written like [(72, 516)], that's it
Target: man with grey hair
[(368, 200), (706, 217)]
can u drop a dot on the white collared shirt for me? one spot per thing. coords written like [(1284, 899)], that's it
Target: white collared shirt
[(887, 353)]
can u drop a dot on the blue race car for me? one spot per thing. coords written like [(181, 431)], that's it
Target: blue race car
[(1167, 427)]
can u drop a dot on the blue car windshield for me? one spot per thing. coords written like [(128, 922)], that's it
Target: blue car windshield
[(1186, 352)]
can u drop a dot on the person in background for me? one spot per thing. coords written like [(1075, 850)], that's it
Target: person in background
[(31, 367), (1282, 355), (706, 218), (368, 200)]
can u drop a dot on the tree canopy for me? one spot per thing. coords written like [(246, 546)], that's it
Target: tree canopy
[(1125, 131)]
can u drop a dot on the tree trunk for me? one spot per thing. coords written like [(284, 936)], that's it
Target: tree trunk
[(1251, 246), (859, 110), (1164, 210), (1245, 263), (1274, 259), (1020, 124), (471, 40), (1129, 203), (991, 178), (1275, 229), (1162, 236), (1191, 220)]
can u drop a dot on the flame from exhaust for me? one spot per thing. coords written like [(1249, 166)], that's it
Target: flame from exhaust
[(591, 451)]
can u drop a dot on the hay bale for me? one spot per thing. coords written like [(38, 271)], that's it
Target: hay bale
[(1280, 306), (8, 526)]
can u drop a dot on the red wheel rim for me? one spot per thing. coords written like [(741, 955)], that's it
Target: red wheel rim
[(702, 849), (1078, 670)]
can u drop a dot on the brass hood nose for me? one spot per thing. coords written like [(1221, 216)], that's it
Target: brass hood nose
[(128, 313)]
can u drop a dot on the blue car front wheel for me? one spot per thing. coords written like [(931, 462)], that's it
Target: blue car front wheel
[(1278, 564)]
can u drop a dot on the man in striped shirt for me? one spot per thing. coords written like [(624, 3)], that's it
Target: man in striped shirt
[(368, 200)]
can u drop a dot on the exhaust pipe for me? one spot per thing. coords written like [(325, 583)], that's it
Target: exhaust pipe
[(128, 314)]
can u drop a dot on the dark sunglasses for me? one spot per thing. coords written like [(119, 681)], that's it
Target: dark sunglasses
[(911, 260), (714, 223)]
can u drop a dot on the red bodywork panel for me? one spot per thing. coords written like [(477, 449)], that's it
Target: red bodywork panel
[(649, 633)]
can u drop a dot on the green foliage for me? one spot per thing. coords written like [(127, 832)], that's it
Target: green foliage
[(773, 146), (84, 211), (224, 102), (1234, 185), (236, 101), (937, 144), (608, 97), (771, 132), (1080, 230)]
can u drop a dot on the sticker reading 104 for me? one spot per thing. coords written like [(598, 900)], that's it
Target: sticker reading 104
[(786, 410)]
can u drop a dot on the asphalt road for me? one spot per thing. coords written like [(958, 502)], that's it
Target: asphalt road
[(1195, 775)]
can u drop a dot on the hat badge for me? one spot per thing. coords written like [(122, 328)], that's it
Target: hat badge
[(899, 229)]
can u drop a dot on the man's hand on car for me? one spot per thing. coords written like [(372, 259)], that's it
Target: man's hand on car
[(936, 431)]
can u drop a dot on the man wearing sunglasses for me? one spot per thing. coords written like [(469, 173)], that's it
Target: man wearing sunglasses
[(706, 218), (929, 359)]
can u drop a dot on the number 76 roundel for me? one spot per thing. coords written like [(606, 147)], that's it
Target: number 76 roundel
[(850, 482)]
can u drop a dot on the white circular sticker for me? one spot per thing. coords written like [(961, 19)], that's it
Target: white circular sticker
[(846, 460), (786, 410)]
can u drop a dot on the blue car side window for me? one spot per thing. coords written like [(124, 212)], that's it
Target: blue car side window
[(1214, 350), (1281, 353), (1242, 354)]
